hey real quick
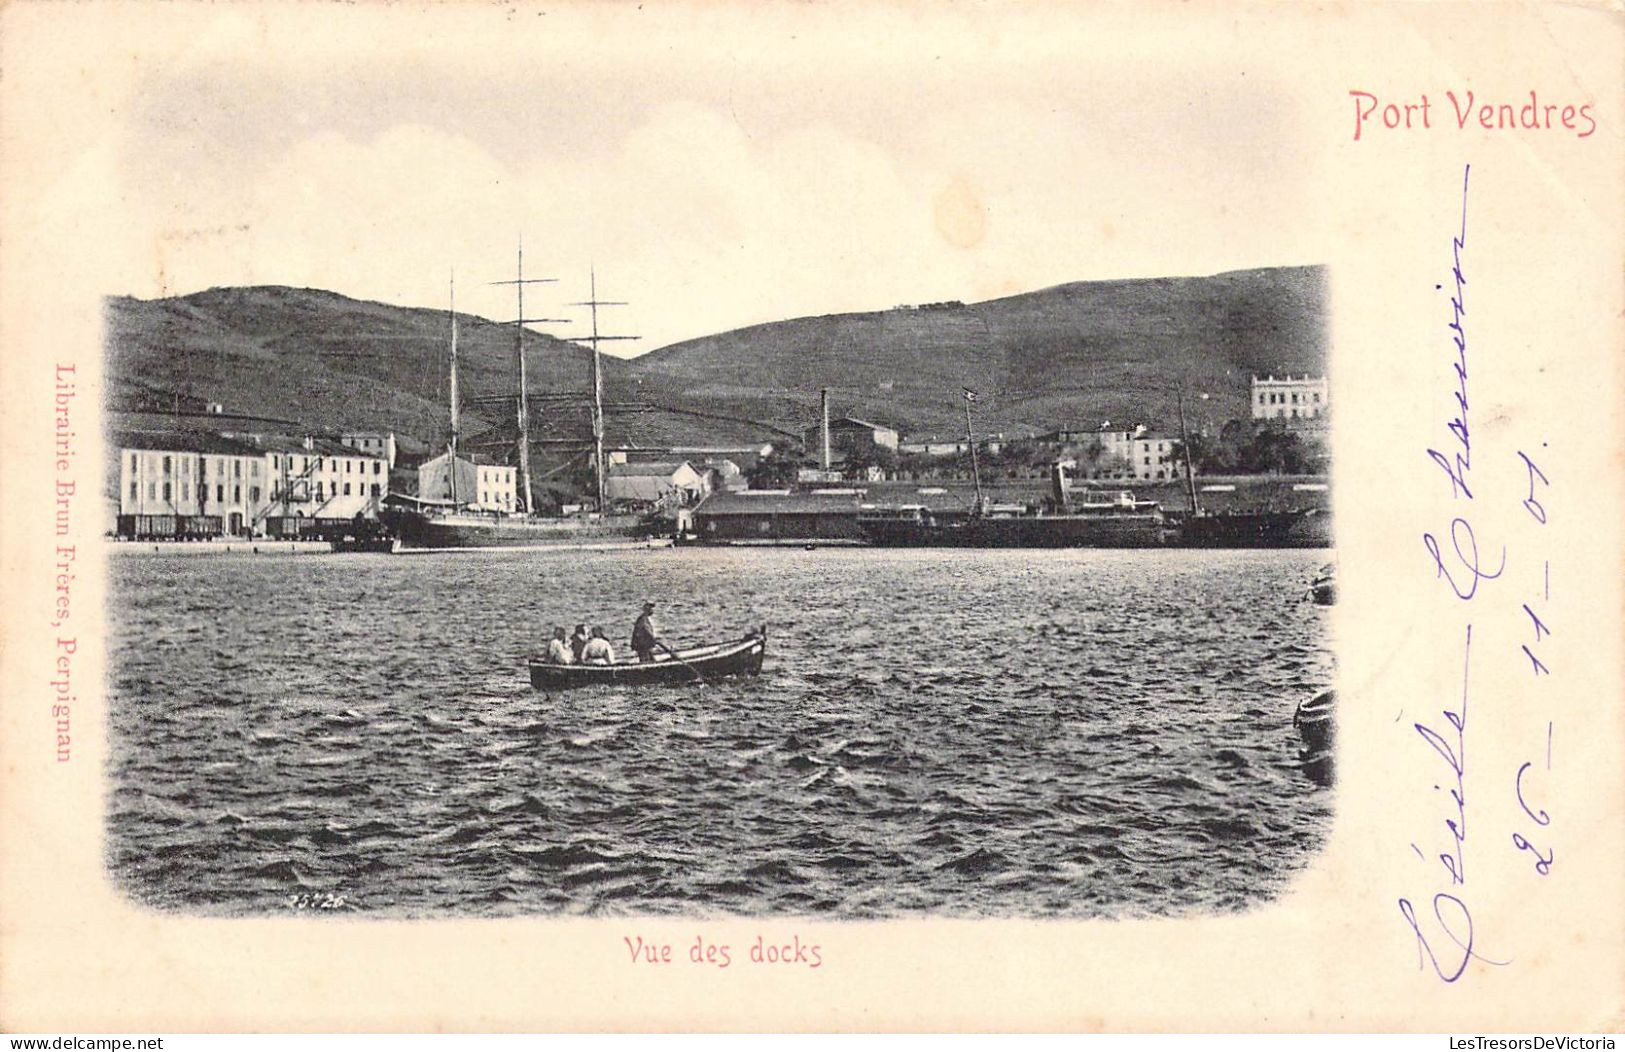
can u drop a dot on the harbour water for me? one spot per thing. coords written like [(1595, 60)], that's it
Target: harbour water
[(1081, 733)]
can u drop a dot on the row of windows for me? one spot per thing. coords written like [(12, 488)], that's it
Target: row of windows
[(331, 464), (168, 465), (185, 490), (202, 492), (322, 492), (299, 493), (1280, 397)]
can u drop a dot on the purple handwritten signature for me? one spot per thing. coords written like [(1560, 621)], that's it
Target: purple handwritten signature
[(1446, 937)]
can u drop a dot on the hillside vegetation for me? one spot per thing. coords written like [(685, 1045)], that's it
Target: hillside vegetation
[(1065, 356), (1070, 355)]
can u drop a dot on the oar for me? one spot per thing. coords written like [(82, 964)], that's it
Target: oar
[(697, 673)]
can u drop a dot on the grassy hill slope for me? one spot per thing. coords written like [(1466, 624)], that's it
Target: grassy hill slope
[(1068, 355)]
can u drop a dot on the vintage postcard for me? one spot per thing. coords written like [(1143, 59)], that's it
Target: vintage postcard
[(818, 517)]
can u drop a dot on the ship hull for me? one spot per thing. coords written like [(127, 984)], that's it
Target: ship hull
[(1047, 531), (1266, 529), (417, 532)]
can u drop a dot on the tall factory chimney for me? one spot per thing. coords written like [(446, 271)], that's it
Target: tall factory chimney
[(1060, 489)]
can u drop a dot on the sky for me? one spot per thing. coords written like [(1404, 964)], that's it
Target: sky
[(717, 167)]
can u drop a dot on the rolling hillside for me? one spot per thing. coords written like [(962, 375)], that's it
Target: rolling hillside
[(320, 358), (1065, 356), (1068, 355)]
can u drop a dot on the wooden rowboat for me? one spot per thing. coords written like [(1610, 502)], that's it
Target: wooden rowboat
[(1323, 589), (739, 657), (1316, 723)]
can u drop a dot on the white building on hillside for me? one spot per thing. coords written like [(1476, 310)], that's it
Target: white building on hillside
[(377, 443), (480, 484), (1290, 398), (1153, 458), (322, 479)]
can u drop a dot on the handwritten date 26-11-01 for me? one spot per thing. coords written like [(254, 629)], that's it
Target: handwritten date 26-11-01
[(1477, 577)]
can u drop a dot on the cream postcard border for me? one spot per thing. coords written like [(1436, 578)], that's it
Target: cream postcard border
[(1541, 263)]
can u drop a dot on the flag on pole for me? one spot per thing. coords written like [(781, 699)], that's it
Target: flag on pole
[(970, 396)]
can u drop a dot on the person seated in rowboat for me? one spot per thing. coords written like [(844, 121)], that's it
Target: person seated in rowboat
[(578, 642), (598, 651), (644, 636), (558, 649)]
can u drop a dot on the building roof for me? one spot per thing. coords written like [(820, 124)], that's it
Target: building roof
[(185, 442), (849, 422), (234, 443), (638, 487), (663, 469), (479, 459), (949, 498), (861, 423), (318, 445), (692, 451), (1100, 429), (777, 502)]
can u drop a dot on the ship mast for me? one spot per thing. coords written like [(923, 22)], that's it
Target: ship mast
[(598, 379), (452, 445), (970, 437), (1185, 444), (523, 401)]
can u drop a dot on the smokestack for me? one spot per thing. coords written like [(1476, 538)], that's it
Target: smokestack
[(823, 400), (1059, 488)]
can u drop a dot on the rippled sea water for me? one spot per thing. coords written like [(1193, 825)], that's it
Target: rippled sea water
[(976, 733)]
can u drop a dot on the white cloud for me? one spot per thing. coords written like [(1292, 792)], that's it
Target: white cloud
[(720, 207)]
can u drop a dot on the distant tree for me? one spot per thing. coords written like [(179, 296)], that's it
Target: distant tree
[(778, 469), (1225, 456), (1110, 466), (1273, 450), (863, 456), (1201, 454), (1315, 457)]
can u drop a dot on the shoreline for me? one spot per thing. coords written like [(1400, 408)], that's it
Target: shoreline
[(271, 546)]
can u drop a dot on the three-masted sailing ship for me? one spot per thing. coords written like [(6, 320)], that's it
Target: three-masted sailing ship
[(457, 519)]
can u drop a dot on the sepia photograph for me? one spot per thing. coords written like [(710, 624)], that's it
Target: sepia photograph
[(750, 516), (504, 551)]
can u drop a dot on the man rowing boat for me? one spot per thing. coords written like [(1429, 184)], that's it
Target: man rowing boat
[(644, 636)]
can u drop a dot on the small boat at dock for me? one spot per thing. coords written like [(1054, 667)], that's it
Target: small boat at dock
[(738, 657), (1323, 589), (1315, 722)]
